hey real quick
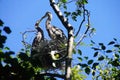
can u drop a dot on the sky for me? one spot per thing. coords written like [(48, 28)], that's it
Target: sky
[(21, 15)]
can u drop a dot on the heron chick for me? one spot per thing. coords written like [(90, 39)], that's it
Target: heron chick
[(55, 56)]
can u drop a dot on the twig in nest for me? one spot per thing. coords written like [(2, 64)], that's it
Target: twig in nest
[(23, 38)]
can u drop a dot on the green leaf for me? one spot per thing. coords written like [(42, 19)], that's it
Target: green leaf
[(102, 46), (23, 56), (115, 63), (117, 45), (110, 43), (93, 73), (7, 48), (80, 59), (10, 53), (74, 51), (92, 42), (82, 44), (84, 2), (95, 48), (101, 58), (74, 18), (74, 14), (2, 38), (95, 54), (78, 12), (0, 32), (1, 54), (87, 70), (83, 65), (108, 51), (7, 30), (79, 52), (90, 62), (94, 65), (115, 39), (86, 57), (1, 22), (64, 6), (64, 1), (116, 55), (1, 45), (67, 13), (1, 51), (22, 49)]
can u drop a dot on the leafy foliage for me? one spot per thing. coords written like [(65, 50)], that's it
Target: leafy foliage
[(109, 67), (76, 73), (106, 62), (79, 4), (18, 67)]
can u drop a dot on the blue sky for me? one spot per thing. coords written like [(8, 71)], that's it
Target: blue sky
[(105, 18), (21, 15)]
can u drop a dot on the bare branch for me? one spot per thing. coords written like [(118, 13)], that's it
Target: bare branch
[(23, 38), (88, 27), (81, 21)]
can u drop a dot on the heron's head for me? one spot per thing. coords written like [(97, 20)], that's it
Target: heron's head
[(49, 15)]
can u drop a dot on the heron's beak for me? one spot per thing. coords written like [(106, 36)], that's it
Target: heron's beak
[(43, 18), (38, 21)]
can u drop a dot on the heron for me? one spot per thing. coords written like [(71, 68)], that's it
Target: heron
[(40, 35), (58, 38), (38, 50), (54, 32)]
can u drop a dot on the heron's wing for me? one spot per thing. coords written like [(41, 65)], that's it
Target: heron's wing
[(59, 33)]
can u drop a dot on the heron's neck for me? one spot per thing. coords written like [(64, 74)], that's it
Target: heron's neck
[(48, 24)]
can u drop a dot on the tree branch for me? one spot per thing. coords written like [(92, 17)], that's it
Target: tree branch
[(81, 21), (88, 27), (63, 20), (52, 75), (23, 38)]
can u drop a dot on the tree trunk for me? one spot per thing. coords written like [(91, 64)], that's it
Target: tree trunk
[(69, 28)]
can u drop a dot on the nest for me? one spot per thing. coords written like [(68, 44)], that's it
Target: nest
[(42, 57)]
